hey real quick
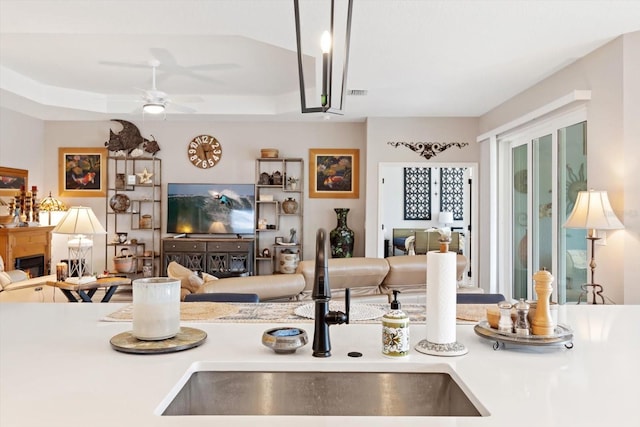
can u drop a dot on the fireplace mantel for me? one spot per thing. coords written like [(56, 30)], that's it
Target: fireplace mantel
[(21, 242)]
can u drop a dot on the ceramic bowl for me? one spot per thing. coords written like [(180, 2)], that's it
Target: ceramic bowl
[(284, 340)]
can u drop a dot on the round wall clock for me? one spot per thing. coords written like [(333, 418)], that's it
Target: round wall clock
[(204, 151)]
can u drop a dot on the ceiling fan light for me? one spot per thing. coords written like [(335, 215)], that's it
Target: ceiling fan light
[(153, 108)]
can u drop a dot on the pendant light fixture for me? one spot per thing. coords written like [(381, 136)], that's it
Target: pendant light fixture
[(335, 27)]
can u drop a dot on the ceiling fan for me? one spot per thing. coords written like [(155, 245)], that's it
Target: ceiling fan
[(155, 100)]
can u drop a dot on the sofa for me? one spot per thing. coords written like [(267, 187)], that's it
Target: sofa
[(16, 286), (424, 241), (370, 279)]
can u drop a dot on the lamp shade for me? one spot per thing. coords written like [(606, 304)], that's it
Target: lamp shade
[(51, 204), (593, 211), (79, 220), (445, 217)]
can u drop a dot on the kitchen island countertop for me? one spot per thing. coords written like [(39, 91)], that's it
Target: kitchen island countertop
[(57, 368)]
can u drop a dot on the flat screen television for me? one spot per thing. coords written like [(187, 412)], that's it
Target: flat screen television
[(210, 208)]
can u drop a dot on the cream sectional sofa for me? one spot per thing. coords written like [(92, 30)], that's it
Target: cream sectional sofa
[(23, 289), (370, 279)]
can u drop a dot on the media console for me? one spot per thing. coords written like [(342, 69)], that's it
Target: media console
[(220, 257)]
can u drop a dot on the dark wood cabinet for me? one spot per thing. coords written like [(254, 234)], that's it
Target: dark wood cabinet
[(218, 257)]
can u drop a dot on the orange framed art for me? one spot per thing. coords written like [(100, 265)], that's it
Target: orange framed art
[(12, 179), (334, 173), (82, 172)]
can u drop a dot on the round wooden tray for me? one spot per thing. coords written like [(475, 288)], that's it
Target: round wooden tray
[(185, 339)]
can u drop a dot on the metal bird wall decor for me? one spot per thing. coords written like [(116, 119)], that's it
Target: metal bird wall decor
[(129, 138)]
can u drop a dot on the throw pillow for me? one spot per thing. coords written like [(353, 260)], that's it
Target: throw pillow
[(194, 283), (5, 280), (208, 277)]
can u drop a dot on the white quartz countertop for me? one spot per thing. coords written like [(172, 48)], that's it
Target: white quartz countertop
[(57, 368)]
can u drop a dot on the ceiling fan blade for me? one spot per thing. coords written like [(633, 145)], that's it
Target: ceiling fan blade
[(202, 67), (180, 108), (165, 57), (188, 98), (123, 64)]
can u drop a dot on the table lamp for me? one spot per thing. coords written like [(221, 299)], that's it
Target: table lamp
[(80, 222), (592, 212), (445, 218), (54, 209)]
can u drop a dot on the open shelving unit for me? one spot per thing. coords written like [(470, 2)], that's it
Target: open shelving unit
[(142, 219), (272, 189)]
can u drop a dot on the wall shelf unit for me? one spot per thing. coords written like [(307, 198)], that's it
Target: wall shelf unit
[(274, 179), (134, 207)]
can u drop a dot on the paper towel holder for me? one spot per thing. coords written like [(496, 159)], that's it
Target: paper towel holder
[(436, 349), (453, 348)]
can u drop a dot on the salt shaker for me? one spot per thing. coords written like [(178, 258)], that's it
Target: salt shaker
[(522, 323), (505, 324)]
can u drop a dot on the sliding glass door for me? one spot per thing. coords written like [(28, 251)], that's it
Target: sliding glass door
[(572, 243), (547, 167)]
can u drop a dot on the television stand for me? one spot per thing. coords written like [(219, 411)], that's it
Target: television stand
[(220, 257)]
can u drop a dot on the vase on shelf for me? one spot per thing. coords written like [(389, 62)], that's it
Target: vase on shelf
[(290, 206), (341, 237)]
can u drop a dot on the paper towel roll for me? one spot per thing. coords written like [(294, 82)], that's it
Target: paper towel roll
[(441, 297)]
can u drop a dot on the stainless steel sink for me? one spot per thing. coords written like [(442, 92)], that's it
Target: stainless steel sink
[(414, 394)]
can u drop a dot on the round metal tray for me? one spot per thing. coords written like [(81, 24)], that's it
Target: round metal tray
[(563, 335)]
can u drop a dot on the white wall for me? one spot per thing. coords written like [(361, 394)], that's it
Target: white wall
[(613, 151), (629, 175), (22, 144)]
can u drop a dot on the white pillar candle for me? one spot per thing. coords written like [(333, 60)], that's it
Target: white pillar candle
[(156, 308)]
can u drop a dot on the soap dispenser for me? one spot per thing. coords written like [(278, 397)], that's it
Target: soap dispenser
[(395, 330)]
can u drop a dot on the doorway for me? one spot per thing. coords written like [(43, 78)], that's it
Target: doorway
[(438, 197)]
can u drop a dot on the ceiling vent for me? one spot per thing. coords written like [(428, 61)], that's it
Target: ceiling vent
[(357, 92)]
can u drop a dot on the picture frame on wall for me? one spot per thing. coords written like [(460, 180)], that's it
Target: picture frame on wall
[(334, 173), (82, 172), (12, 179)]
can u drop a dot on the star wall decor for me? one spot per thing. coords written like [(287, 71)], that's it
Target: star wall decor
[(145, 176)]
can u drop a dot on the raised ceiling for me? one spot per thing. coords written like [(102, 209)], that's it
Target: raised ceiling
[(235, 59)]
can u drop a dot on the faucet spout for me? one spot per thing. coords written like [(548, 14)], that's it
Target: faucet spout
[(322, 295)]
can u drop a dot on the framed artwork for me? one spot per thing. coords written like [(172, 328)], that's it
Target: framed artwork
[(11, 180), (82, 172), (333, 173)]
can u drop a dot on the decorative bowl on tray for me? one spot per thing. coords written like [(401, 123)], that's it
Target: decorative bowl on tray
[(119, 203)]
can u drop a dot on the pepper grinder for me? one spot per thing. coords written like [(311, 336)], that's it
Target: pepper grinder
[(542, 323), (522, 324)]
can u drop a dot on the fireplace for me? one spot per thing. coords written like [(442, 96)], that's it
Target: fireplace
[(32, 265)]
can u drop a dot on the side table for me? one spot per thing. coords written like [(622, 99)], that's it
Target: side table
[(86, 291)]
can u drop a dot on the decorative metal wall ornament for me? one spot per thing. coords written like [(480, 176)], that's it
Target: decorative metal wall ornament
[(452, 192), (428, 149), (417, 194), (130, 139)]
